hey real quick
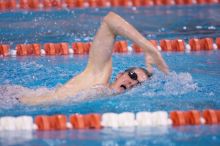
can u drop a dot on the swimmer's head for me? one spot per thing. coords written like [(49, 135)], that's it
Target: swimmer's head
[(130, 78)]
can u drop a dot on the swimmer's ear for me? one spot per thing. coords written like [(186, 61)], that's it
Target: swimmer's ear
[(119, 75)]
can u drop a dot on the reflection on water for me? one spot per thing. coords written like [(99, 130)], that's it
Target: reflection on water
[(15, 137), (202, 135)]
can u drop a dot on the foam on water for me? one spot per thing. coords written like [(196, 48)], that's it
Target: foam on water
[(172, 85)]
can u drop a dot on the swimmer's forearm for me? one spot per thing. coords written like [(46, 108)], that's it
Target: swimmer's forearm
[(121, 27)]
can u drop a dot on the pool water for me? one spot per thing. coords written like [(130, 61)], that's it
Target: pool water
[(192, 84)]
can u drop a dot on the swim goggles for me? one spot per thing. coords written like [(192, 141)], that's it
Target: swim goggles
[(134, 76)]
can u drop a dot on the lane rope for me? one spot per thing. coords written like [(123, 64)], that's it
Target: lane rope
[(111, 120), (6, 5), (80, 48)]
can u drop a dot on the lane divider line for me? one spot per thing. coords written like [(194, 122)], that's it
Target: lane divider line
[(111, 120), (81, 48), (6, 5)]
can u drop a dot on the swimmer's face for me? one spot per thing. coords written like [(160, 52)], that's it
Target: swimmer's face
[(127, 80)]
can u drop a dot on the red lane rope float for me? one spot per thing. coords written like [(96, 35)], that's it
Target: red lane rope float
[(178, 118), (77, 121), (158, 2), (218, 115), (188, 2), (24, 4), (56, 49), (4, 49), (79, 3), (206, 43), (218, 42), (62, 48), (166, 45), (28, 49), (57, 3), (42, 122), (81, 48), (50, 49), (33, 4), (121, 47), (115, 3), (92, 121), (193, 117), (181, 118), (195, 45), (178, 45), (136, 3), (58, 122), (124, 2), (93, 3), (210, 116), (206, 1), (47, 4), (201, 44), (172, 45), (70, 3), (55, 122), (11, 4)]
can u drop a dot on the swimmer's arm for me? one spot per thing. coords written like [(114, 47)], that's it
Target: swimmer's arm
[(46, 98), (121, 27), (100, 63)]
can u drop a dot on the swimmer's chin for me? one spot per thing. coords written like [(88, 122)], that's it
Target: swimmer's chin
[(121, 89)]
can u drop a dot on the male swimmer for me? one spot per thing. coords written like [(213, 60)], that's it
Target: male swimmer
[(99, 68)]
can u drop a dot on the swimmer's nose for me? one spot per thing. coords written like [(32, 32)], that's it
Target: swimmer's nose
[(130, 85), (133, 83)]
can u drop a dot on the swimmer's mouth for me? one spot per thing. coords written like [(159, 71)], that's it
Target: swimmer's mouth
[(124, 87)]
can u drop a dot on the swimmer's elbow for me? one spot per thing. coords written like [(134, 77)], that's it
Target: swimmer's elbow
[(109, 17)]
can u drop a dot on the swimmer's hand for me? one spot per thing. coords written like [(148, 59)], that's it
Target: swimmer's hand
[(158, 60), (149, 62)]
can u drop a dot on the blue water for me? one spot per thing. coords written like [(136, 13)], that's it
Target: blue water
[(192, 84)]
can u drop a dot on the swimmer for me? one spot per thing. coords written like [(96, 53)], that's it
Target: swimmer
[(99, 68)]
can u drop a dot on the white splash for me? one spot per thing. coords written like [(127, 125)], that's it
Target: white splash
[(172, 85)]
